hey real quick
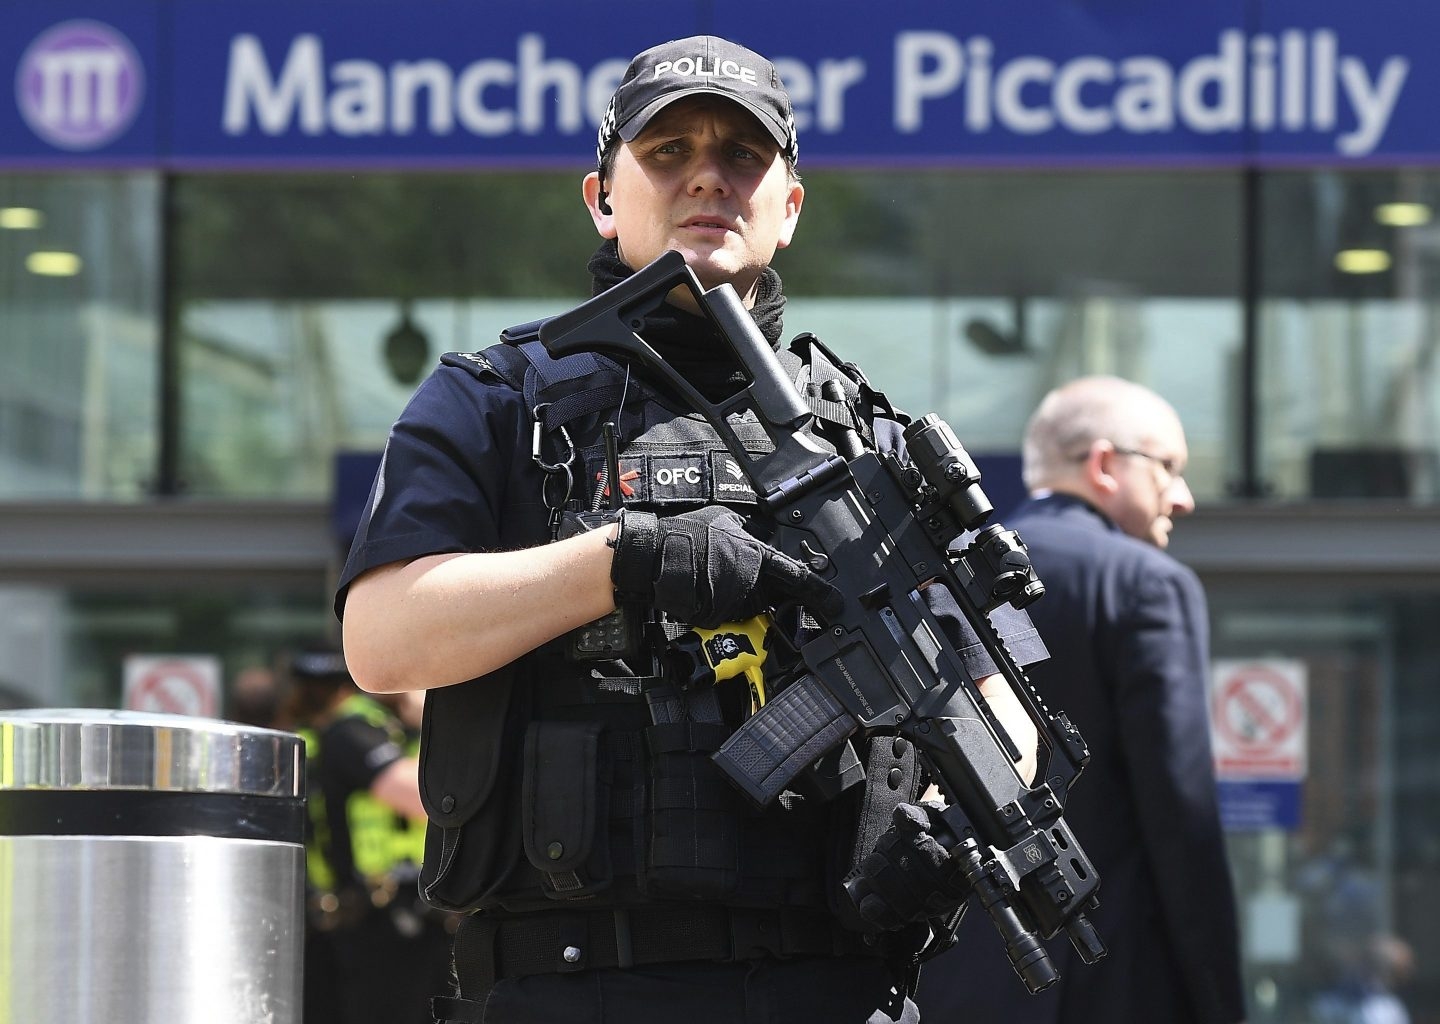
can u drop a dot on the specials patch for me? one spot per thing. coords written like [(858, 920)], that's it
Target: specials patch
[(675, 478), (731, 483)]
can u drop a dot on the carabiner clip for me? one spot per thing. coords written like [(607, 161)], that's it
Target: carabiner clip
[(556, 468)]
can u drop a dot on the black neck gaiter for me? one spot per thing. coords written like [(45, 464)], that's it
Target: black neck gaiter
[(688, 342)]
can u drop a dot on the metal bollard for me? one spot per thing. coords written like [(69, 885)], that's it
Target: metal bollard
[(152, 870)]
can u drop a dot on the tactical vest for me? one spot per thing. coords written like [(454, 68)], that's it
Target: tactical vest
[(606, 765)]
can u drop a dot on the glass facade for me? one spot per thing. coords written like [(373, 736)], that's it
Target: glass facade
[(69, 645), (308, 307), (80, 288), (1350, 276), (1343, 900), (220, 339)]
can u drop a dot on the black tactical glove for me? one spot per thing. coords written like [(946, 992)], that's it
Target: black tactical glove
[(702, 567), (909, 877)]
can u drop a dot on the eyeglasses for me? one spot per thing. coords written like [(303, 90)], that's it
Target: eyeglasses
[(1172, 469)]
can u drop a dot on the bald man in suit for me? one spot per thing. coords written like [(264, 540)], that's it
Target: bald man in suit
[(1127, 628)]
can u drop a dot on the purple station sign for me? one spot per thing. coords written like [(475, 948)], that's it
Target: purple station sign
[(80, 85)]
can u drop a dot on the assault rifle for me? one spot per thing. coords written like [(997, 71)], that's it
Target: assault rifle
[(879, 530)]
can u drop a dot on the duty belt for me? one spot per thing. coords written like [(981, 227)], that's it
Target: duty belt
[(488, 948)]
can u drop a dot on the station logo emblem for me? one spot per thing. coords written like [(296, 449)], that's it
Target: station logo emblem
[(80, 85)]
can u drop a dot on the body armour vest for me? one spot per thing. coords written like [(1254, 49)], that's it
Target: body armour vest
[(605, 765)]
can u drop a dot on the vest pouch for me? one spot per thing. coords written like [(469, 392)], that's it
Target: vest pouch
[(466, 754), (694, 816), (564, 807)]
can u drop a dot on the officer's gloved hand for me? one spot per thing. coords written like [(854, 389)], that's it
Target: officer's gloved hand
[(702, 567), (909, 877)]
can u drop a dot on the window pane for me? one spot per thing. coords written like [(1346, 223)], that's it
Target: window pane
[(274, 389), (79, 335), (310, 306), (972, 294), (67, 647), (1348, 333), (1343, 902), (923, 355)]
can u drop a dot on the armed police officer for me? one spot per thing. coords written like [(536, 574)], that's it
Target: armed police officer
[(613, 872)]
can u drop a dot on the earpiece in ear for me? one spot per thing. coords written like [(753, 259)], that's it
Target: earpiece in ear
[(602, 202)]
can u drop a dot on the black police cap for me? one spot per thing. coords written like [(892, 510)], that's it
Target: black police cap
[(699, 65), (320, 665)]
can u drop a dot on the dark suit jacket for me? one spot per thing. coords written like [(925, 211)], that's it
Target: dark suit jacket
[(1128, 635)]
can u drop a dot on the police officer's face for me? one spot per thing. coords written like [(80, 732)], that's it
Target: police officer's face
[(705, 179)]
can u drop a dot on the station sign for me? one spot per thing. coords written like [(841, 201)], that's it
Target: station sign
[(201, 84)]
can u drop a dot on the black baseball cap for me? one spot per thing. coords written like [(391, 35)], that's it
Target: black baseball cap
[(691, 67)]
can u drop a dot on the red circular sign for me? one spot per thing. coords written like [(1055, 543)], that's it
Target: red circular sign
[(1258, 708), (173, 687)]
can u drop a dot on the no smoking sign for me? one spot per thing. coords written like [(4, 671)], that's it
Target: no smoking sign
[(1258, 719), (177, 684)]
